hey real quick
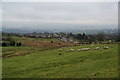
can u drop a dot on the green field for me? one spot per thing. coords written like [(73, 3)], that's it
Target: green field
[(33, 39), (49, 64)]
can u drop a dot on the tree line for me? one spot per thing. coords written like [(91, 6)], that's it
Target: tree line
[(82, 37), (9, 41), (100, 37)]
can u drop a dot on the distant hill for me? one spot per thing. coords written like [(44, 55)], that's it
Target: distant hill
[(107, 31), (56, 27)]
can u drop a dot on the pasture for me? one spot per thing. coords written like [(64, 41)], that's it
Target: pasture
[(43, 62)]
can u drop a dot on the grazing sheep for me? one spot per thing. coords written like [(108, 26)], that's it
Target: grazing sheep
[(105, 47), (96, 48), (88, 48), (85, 49), (63, 47), (67, 50), (71, 49), (60, 49), (91, 44), (78, 50)]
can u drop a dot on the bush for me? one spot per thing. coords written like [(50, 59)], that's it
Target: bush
[(12, 43), (18, 44), (4, 44)]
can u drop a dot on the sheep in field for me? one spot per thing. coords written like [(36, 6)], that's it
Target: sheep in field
[(85, 49), (78, 50), (105, 47), (60, 49), (88, 48), (96, 48), (71, 49), (67, 50), (91, 44)]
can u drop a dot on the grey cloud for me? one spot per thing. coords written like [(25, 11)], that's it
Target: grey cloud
[(82, 13)]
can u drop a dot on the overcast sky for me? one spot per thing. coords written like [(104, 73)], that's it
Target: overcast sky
[(96, 13), (59, 0)]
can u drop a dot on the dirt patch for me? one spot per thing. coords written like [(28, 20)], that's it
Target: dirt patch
[(45, 44)]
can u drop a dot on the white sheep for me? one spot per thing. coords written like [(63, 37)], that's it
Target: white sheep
[(67, 50), (105, 47), (96, 48), (85, 49), (91, 44), (71, 49), (78, 50), (60, 49), (88, 48)]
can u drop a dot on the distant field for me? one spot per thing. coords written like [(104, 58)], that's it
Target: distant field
[(35, 39), (48, 63), (41, 42)]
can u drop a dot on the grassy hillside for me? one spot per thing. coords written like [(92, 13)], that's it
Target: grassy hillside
[(22, 39), (49, 64), (40, 42)]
